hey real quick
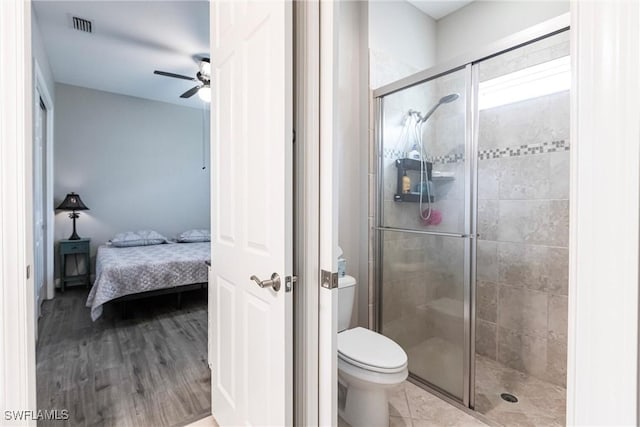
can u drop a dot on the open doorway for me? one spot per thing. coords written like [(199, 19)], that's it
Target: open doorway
[(454, 310), (122, 339)]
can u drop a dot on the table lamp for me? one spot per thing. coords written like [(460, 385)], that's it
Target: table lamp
[(73, 203)]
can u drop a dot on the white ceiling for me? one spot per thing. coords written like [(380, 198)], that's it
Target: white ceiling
[(439, 8), (130, 40)]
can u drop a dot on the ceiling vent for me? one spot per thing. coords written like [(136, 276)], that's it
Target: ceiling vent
[(82, 24)]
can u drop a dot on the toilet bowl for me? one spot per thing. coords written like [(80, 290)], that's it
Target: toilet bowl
[(368, 365)]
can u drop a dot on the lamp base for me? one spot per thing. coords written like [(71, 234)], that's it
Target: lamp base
[(74, 235)]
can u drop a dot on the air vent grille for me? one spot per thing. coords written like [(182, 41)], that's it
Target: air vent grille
[(82, 24)]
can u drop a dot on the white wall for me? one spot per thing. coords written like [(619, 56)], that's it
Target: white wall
[(402, 41), (137, 164), (483, 22), (352, 149)]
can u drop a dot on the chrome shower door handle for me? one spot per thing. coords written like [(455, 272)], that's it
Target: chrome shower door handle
[(274, 282)]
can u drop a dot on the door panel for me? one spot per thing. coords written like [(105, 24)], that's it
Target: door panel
[(425, 228), (251, 326), (435, 198), (423, 308)]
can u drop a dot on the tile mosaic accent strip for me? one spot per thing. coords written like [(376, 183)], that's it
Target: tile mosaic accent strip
[(389, 153), (493, 153), (449, 158), (524, 150)]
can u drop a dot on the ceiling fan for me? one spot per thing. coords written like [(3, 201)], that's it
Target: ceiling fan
[(203, 76)]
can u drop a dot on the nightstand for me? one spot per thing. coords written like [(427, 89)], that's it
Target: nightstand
[(76, 248)]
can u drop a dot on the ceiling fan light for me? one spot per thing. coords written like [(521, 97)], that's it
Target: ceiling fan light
[(205, 68), (205, 93)]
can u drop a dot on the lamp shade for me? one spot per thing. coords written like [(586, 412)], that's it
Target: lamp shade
[(72, 203)]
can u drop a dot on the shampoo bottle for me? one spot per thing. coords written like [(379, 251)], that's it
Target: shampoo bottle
[(406, 183)]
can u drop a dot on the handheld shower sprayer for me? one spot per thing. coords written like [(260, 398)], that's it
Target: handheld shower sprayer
[(444, 100), (419, 121)]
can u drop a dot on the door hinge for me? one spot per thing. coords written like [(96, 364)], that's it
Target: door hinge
[(328, 279), (288, 283)]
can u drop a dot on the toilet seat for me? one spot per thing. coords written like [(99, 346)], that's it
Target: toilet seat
[(371, 351)]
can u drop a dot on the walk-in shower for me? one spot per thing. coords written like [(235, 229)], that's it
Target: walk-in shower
[(472, 226)]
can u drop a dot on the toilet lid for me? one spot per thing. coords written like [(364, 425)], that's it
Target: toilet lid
[(370, 350)]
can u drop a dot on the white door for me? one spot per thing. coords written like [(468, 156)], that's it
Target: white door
[(250, 331), (39, 136)]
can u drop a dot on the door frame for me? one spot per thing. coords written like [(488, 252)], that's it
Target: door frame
[(306, 199), (591, 376), (316, 372), (603, 365), (17, 328), (42, 91), (328, 241)]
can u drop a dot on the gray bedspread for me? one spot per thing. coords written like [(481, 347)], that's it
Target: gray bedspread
[(125, 271)]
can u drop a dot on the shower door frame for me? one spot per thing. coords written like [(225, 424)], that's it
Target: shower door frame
[(469, 63)]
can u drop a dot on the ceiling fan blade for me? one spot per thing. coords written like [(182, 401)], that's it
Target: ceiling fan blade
[(190, 92), (177, 76)]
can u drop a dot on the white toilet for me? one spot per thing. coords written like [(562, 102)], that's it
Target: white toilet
[(368, 364)]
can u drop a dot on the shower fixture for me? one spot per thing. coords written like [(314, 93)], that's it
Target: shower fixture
[(425, 215), (444, 100)]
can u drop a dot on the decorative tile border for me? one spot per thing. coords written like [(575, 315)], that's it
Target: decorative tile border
[(449, 158), (524, 150), (493, 153), (389, 153), (397, 154)]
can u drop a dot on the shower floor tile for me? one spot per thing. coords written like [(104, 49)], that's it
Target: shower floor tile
[(539, 403)]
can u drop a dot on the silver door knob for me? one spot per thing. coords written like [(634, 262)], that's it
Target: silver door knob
[(274, 282)]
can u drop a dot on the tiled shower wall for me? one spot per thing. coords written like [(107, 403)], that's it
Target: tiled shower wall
[(523, 222)]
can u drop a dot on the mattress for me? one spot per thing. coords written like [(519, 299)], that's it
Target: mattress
[(132, 270)]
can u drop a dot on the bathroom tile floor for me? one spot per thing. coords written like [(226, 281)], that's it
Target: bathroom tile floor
[(411, 406), (539, 403)]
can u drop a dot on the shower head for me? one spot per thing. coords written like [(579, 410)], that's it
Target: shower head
[(444, 100), (449, 98)]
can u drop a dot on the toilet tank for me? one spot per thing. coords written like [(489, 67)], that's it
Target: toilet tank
[(346, 297)]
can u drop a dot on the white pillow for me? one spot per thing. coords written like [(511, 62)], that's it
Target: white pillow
[(194, 236), (138, 238)]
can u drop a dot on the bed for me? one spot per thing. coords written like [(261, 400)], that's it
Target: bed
[(123, 272)]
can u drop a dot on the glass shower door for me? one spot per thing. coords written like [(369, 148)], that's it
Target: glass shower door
[(424, 227)]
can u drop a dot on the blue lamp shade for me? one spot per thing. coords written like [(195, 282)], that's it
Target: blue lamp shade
[(73, 203)]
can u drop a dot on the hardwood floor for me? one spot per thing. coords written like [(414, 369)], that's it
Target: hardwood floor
[(147, 370)]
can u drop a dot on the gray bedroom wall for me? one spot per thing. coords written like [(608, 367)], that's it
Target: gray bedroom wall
[(137, 164)]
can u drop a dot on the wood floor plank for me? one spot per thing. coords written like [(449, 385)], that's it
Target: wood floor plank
[(147, 370)]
